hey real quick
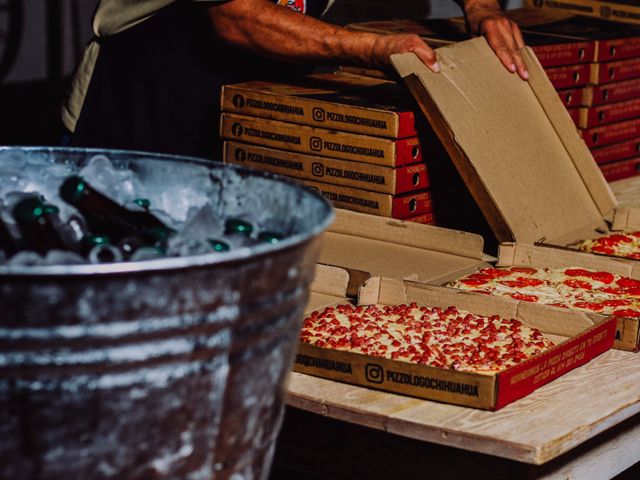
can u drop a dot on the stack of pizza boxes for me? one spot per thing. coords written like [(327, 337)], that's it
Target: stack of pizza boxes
[(353, 138), (594, 65), (602, 91)]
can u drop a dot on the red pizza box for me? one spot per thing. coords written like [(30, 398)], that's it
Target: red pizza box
[(425, 219), (603, 73), (532, 176), (613, 133), (610, 113), (569, 76), (624, 11), (617, 151), (349, 103), (613, 41), (376, 178), (320, 141), (572, 97), (368, 260), (611, 92), (621, 169), (575, 114)]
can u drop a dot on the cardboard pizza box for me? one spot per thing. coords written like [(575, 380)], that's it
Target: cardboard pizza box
[(516, 147), (320, 141), (337, 101), (627, 335), (609, 113), (376, 178), (594, 95), (613, 133), (617, 151), (369, 260), (380, 204)]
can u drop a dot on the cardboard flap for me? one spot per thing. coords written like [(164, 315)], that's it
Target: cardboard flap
[(512, 141), (397, 250)]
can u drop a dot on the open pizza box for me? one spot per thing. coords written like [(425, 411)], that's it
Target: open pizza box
[(368, 259), (516, 147)]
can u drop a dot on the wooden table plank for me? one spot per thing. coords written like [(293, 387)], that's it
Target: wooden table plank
[(549, 422)]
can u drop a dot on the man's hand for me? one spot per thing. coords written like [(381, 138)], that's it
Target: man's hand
[(484, 17), (386, 45)]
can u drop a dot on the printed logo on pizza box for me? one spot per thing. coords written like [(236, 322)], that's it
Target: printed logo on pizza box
[(605, 11), (374, 373), (315, 143), (237, 130), (318, 114), (317, 169), (238, 101), (240, 154)]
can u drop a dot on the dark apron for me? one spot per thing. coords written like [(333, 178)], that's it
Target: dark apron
[(156, 86)]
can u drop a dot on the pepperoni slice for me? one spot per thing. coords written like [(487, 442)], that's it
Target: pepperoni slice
[(596, 307), (628, 282), (581, 284), (603, 249), (474, 281), (495, 272), (616, 302), (604, 277), (524, 297), (627, 312), (615, 239)]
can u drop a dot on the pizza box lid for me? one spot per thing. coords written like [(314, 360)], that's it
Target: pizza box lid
[(361, 251), (513, 143)]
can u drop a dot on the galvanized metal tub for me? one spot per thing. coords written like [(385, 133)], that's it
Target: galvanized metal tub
[(170, 368)]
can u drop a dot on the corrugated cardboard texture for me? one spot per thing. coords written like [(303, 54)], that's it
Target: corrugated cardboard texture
[(513, 140)]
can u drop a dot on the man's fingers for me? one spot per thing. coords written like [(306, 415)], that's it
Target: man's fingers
[(506, 44), (427, 55)]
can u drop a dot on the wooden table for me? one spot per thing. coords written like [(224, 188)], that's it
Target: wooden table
[(584, 425)]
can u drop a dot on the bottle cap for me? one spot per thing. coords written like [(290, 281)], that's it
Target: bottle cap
[(218, 245)]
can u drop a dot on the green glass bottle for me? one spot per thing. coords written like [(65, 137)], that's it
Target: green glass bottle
[(39, 225)]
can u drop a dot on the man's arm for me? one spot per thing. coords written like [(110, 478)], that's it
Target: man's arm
[(485, 17), (278, 32)]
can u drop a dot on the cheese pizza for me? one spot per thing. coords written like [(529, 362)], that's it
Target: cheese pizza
[(574, 288), (448, 338)]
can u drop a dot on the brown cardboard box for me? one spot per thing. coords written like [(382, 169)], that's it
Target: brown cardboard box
[(349, 103), (364, 201), (320, 141), (372, 260), (376, 178), (572, 97), (528, 169), (626, 11)]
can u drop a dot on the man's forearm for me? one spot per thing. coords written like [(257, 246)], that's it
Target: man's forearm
[(278, 32)]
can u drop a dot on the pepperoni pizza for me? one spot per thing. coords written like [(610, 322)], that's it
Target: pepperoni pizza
[(448, 338), (574, 288), (616, 244)]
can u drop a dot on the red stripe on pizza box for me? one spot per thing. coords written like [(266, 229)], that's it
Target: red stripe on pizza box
[(617, 151), (559, 54), (615, 92), (411, 205), (569, 76), (609, 113), (571, 97), (613, 133), (619, 170), (520, 380)]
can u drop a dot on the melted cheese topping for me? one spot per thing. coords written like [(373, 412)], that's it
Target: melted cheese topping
[(431, 336), (616, 244)]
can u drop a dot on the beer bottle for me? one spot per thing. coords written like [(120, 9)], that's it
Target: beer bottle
[(38, 223), (237, 226), (105, 216), (98, 249), (218, 245), (269, 237)]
